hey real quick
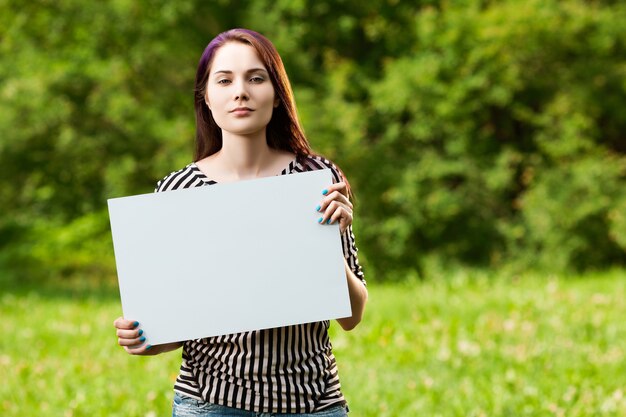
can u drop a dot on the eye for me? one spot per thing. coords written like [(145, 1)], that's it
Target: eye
[(257, 79), (223, 81)]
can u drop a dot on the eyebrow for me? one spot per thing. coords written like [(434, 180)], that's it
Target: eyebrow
[(247, 72)]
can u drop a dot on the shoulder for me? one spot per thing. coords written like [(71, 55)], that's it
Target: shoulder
[(316, 162), (183, 178)]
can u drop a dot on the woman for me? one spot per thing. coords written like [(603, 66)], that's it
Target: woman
[(247, 127)]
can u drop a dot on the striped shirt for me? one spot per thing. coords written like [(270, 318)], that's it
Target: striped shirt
[(288, 369)]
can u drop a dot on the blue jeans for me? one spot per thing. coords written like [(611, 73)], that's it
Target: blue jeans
[(188, 407)]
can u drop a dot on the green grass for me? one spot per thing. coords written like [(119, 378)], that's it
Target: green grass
[(469, 346)]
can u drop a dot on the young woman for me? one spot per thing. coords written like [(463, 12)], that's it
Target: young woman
[(247, 127)]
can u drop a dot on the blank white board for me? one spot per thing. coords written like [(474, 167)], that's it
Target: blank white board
[(228, 258)]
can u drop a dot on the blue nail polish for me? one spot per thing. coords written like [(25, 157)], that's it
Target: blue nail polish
[(142, 339), (320, 220), (140, 332), (135, 323), (148, 347), (328, 221), (318, 208), (325, 192)]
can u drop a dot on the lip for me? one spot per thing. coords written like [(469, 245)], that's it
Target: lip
[(240, 111)]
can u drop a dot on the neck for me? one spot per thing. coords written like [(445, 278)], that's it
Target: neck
[(245, 156)]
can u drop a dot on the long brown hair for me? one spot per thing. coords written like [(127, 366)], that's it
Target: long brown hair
[(283, 131)]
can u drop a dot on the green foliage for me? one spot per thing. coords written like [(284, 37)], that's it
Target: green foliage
[(495, 137), (473, 132), (95, 104), (466, 345)]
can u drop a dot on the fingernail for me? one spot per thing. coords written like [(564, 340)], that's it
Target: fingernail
[(320, 220), (318, 208), (140, 332), (148, 347), (135, 323), (325, 192), (142, 339), (328, 221)]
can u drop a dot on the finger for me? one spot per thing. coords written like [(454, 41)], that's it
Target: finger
[(138, 350), (329, 211), (122, 323), (338, 186), (337, 211), (333, 207), (334, 196), (131, 342), (343, 216), (129, 334)]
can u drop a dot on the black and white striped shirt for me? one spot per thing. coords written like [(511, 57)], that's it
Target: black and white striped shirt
[(288, 369)]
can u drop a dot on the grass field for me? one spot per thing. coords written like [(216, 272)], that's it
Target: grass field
[(467, 346)]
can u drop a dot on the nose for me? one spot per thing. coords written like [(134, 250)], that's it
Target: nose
[(241, 92)]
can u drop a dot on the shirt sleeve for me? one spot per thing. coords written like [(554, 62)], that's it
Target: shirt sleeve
[(186, 177), (350, 253)]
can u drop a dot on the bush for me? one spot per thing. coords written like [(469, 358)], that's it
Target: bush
[(474, 133), (495, 139)]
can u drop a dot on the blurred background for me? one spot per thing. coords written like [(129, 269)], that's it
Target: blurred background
[(477, 133), (484, 136)]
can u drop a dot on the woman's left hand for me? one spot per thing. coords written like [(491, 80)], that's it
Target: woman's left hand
[(336, 206)]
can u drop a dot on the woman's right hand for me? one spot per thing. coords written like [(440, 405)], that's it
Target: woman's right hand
[(130, 337)]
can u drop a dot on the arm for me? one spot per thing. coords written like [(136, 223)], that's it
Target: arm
[(358, 299), (336, 207), (131, 338)]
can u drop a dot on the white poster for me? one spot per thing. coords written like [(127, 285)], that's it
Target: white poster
[(228, 258)]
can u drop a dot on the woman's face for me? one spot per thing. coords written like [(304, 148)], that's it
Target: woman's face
[(239, 90)]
